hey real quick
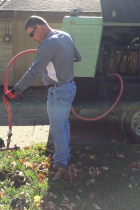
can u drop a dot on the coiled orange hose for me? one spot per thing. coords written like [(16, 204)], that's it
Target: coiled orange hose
[(81, 118)]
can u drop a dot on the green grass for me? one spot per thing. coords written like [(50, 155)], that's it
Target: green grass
[(115, 187)]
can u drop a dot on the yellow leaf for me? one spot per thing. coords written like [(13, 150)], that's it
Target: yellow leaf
[(37, 204), (21, 160), (37, 199), (1, 195), (92, 157)]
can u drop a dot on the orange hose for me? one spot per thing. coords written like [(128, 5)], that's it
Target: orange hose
[(6, 78), (86, 119), (97, 118)]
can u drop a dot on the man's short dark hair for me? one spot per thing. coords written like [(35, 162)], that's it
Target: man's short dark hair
[(33, 21)]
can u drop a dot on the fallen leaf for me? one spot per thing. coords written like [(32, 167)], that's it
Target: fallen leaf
[(10, 160), (1, 195), (78, 197), (130, 186), (131, 178), (94, 171), (50, 205), (134, 169), (26, 147), (40, 176), (96, 206), (41, 148), (92, 195), (67, 173), (52, 195), (87, 148), (58, 174), (66, 198), (37, 199), (82, 155), (92, 181), (21, 160), (120, 156), (87, 184), (134, 165), (79, 190), (28, 165), (92, 157), (123, 175), (22, 193), (105, 168), (13, 163), (2, 190), (113, 141), (27, 158), (79, 163), (67, 204)]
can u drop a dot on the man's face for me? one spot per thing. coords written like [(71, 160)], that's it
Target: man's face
[(35, 33)]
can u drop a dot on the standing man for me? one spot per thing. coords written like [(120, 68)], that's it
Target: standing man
[(55, 58)]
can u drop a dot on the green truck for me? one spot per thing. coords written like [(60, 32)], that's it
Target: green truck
[(109, 44)]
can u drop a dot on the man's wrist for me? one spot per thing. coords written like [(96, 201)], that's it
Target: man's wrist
[(13, 91)]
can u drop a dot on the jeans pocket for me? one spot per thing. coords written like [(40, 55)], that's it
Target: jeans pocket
[(64, 97)]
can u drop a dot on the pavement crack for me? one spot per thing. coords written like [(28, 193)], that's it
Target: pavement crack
[(17, 109)]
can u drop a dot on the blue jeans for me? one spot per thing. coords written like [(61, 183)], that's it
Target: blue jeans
[(58, 108)]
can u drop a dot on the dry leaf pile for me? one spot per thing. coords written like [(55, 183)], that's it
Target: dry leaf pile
[(69, 173)]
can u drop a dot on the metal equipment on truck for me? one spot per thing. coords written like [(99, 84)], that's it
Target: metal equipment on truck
[(109, 44)]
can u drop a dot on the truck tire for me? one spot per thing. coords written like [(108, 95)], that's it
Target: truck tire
[(130, 123)]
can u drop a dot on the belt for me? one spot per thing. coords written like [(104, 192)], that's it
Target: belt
[(51, 85)]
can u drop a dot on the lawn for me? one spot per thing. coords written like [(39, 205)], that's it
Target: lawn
[(105, 176)]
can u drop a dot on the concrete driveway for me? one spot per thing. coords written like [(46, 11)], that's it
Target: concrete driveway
[(30, 123)]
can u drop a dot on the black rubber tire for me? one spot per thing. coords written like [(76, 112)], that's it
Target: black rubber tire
[(130, 123)]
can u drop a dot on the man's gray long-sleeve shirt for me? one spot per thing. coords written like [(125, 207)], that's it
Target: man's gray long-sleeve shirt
[(55, 58)]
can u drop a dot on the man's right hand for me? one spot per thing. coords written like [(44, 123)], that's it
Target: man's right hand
[(9, 95)]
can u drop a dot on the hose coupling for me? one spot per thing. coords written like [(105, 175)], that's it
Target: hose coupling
[(9, 134)]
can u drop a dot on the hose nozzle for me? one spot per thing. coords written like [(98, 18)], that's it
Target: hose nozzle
[(9, 134)]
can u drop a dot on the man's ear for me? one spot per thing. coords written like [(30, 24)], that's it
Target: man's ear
[(39, 27)]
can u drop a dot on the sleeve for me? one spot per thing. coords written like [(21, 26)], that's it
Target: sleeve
[(77, 55), (44, 56)]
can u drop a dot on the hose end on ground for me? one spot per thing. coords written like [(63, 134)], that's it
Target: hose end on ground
[(9, 134)]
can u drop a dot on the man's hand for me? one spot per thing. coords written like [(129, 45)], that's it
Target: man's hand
[(9, 95)]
